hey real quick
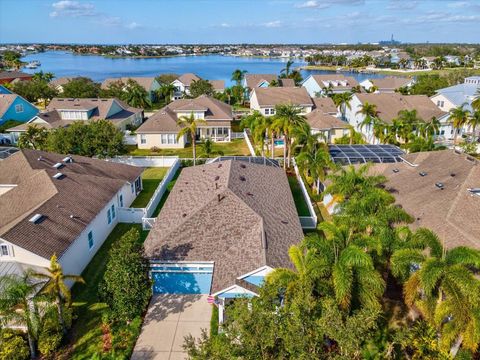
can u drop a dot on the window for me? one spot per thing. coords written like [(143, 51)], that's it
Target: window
[(138, 183), (90, 240), (121, 199), (109, 217), (440, 103), (113, 211), (133, 189), (4, 250), (143, 139), (169, 139), (269, 111), (19, 108)]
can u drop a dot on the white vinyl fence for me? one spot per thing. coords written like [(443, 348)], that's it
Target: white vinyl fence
[(307, 222), (249, 144), (146, 161)]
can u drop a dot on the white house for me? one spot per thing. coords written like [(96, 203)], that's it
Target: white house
[(59, 83), (182, 85), (323, 84), (161, 129), (63, 205), (252, 81), (265, 100)]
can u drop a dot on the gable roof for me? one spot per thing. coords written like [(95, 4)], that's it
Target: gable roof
[(390, 82), (14, 75), (318, 120), (143, 81), (460, 94), (237, 214), (61, 81), (325, 104), (6, 101), (52, 120), (452, 213), (218, 85), (389, 104), (188, 78), (273, 96), (87, 186), (338, 81), (286, 82), (254, 80)]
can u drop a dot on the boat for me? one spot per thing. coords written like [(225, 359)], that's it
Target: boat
[(33, 64)]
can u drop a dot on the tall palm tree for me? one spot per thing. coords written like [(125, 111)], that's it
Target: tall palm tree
[(458, 118), (17, 305), (136, 95), (41, 76), (167, 91), (474, 122), (442, 285), (429, 128), (370, 114), (257, 125), (342, 101), (286, 71), (56, 288), (476, 101), (314, 163), (408, 122), (287, 118), (238, 75), (188, 126)]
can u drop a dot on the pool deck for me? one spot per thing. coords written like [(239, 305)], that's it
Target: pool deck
[(169, 319)]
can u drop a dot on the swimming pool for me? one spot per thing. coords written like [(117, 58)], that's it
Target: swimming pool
[(180, 279)]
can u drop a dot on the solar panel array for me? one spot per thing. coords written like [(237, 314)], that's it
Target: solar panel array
[(359, 154)]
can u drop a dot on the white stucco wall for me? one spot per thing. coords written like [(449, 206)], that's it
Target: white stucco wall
[(153, 140), (311, 86)]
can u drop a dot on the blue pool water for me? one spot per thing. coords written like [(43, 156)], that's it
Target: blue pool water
[(181, 282)]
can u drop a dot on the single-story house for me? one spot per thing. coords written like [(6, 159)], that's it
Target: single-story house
[(329, 126), (224, 226), (61, 112), (182, 85), (13, 76), (264, 100), (387, 84), (150, 84), (15, 107), (322, 84), (388, 106), (57, 204), (161, 129)]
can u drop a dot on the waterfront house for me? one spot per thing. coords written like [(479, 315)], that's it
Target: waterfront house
[(458, 95), (57, 204), (161, 129), (59, 83), (252, 81), (62, 112), (150, 84), (7, 77), (332, 83), (389, 105), (182, 85), (15, 107), (224, 226), (266, 99), (388, 84)]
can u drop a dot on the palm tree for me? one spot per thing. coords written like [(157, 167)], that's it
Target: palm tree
[(474, 121), (188, 126), (286, 71), (342, 101), (167, 91), (429, 128), (136, 95), (458, 118), (443, 287), (238, 75), (407, 123), (476, 101), (287, 118), (370, 113), (17, 305), (257, 125), (314, 164), (55, 287), (41, 76)]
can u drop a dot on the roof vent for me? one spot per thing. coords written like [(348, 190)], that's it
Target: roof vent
[(242, 178), (220, 197), (439, 185), (217, 178), (395, 170), (452, 174), (219, 165), (422, 173), (457, 151), (284, 222), (474, 191), (58, 165), (243, 166), (184, 215), (40, 158), (249, 194), (36, 218), (472, 159), (67, 159), (58, 175)]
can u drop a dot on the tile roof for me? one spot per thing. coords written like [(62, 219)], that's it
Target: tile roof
[(165, 120), (239, 215), (453, 212), (318, 120), (389, 104), (88, 185), (273, 96), (326, 105), (254, 80), (390, 82), (143, 81)]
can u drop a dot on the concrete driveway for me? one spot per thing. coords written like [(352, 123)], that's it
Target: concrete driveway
[(169, 319)]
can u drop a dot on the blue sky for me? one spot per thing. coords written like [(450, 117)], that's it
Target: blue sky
[(238, 21)]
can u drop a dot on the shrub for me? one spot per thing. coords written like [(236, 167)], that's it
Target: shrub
[(13, 346), (50, 336)]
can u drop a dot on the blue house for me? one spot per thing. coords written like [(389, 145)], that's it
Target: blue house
[(4, 90), (14, 107)]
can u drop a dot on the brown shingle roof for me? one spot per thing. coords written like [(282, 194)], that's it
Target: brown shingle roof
[(145, 82), (318, 120), (326, 105), (86, 188), (273, 96), (239, 215), (6, 100), (218, 85), (338, 81), (254, 80), (60, 81), (188, 78), (452, 213), (390, 82), (14, 75), (389, 104), (286, 82)]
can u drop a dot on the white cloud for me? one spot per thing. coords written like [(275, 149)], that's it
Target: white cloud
[(442, 17), (72, 8), (273, 24), (311, 4), (133, 25), (225, 25), (458, 4), (316, 4), (402, 5)]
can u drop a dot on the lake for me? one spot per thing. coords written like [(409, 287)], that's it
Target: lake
[(213, 67)]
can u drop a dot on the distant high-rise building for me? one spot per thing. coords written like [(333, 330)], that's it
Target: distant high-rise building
[(392, 41)]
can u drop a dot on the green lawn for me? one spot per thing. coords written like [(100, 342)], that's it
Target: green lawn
[(300, 203), (150, 179), (86, 333), (234, 147), (167, 192)]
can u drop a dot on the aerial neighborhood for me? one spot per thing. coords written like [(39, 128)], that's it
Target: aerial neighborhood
[(281, 215)]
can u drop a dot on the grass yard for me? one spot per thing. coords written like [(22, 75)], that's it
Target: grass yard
[(150, 180), (300, 203), (167, 192), (86, 333), (235, 147)]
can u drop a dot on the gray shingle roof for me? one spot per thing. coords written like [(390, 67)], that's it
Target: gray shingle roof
[(239, 215)]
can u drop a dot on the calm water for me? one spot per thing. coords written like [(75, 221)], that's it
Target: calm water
[(213, 67)]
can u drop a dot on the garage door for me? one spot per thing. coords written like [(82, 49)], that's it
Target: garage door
[(178, 278)]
